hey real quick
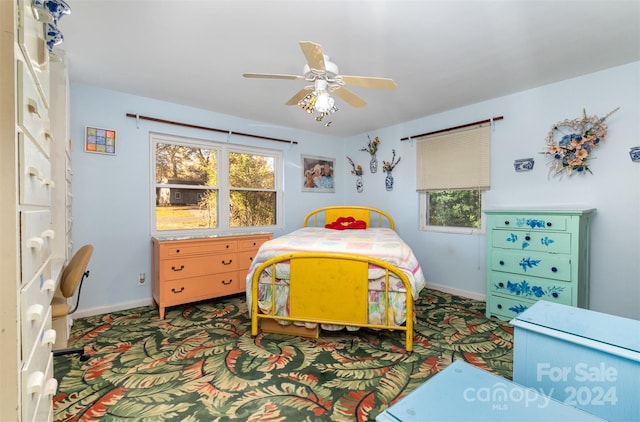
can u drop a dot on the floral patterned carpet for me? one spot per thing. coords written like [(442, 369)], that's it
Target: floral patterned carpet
[(201, 364)]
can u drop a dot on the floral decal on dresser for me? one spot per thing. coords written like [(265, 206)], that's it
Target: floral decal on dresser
[(518, 309), (525, 289), (513, 238), (529, 263), (530, 222)]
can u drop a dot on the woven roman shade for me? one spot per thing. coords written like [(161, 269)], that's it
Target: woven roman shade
[(454, 160)]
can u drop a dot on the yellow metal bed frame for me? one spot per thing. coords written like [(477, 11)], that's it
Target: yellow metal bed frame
[(340, 295)]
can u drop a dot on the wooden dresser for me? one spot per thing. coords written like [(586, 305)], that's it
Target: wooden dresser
[(536, 255), (187, 270)]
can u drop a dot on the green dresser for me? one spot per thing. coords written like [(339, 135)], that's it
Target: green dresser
[(536, 255)]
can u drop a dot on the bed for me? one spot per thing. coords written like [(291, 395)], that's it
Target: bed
[(345, 268)]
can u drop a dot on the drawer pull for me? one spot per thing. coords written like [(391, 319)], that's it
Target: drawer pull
[(226, 283), (506, 222), (50, 387), (49, 338), (527, 238), (35, 382), (501, 262), (48, 286), (227, 246), (554, 294), (554, 270), (177, 250), (548, 223), (48, 183), (501, 284), (34, 312), (226, 262), (32, 106), (174, 290), (178, 269), (499, 306), (47, 134), (35, 243), (32, 171), (49, 233)]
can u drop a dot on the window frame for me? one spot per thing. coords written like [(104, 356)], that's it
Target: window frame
[(423, 198), (223, 189)]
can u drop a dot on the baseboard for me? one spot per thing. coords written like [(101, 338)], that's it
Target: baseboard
[(82, 313), (458, 292)]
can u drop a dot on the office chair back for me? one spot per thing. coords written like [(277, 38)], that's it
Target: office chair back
[(71, 279)]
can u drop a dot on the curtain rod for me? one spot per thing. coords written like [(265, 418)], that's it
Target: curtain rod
[(453, 128), (171, 122)]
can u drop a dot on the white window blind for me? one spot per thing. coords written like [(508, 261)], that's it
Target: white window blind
[(454, 160)]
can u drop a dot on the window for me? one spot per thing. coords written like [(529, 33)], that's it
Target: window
[(452, 172), (209, 186)]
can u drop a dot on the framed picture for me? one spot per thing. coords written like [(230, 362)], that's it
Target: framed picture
[(317, 174), (101, 141)]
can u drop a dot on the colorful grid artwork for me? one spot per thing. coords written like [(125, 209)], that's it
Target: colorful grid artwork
[(100, 140)]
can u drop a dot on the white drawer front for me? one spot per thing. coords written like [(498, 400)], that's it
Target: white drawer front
[(35, 174), (32, 42), (35, 376), (36, 237), (33, 114), (44, 410), (35, 301)]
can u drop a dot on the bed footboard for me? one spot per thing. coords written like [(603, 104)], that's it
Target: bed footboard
[(331, 288)]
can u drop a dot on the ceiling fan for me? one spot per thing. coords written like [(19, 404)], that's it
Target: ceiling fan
[(326, 79)]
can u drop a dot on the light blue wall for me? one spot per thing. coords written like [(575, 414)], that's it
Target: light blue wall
[(111, 193)]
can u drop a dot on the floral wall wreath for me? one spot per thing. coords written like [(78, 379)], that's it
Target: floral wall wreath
[(570, 143)]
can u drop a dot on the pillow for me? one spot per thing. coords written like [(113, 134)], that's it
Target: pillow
[(343, 223)]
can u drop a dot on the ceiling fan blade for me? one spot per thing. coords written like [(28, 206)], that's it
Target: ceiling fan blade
[(369, 82), (314, 55), (299, 95), (350, 97), (271, 76)]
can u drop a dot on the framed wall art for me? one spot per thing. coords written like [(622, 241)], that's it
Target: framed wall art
[(101, 141), (317, 174)]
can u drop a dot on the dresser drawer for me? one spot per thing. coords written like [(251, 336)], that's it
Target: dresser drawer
[(44, 408), (33, 114), (508, 307), (531, 222), (38, 386), (556, 267), (530, 288), (245, 259), (32, 43), (173, 269), (252, 243), (35, 173), (194, 248), (530, 240), (35, 302), (203, 287), (36, 239)]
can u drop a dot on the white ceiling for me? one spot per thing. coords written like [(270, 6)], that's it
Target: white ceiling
[(442, 54)]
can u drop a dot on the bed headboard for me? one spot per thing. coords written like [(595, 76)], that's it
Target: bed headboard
[(325, 215)]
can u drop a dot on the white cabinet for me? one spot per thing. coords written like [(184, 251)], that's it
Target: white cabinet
[(33, 231)]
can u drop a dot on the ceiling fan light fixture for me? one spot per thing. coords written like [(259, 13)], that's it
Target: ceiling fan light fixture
[(324, 102), (319, 100)]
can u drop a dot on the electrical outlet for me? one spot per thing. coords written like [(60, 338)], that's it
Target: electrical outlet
[(142, 278)]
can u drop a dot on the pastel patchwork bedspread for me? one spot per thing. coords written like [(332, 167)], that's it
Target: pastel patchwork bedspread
[(380, 243)]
